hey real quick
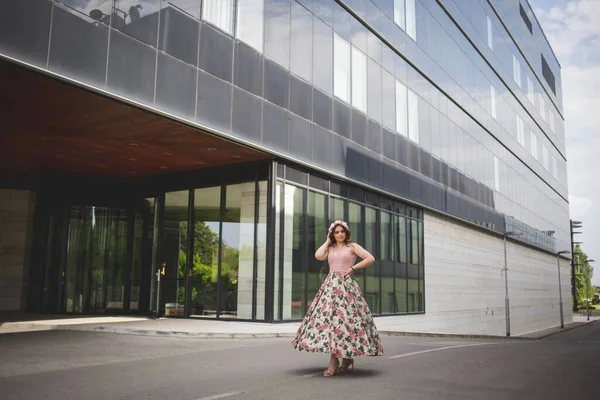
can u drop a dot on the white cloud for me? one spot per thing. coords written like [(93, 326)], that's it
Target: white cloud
[(573, 31), (580, 206)]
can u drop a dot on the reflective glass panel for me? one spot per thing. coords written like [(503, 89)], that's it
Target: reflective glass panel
[(359, 80), (205, 260), (342, 72), (237, 251), (219, 13), (316, 232), (173, 253), (250, 23)]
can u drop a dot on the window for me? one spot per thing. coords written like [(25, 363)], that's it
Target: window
[(551, 119), (554, 168), (493, 101), (542, 106), (520, 130), (341, 68), (219, 13), (400, 14), (534, 146), (525, 18), (548, 75), (401, 109), (517, 71), (496, 174), (411, 19), (490, 37), (545, 157), (530, 94), (413, 116), (359, 80), (250, 22)]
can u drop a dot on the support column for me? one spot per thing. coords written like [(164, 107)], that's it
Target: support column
[(16, 236)]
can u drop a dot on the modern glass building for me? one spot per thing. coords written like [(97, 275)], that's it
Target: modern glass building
[(185, 157)]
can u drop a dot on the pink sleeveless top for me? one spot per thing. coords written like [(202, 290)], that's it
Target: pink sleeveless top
[(340, 259)]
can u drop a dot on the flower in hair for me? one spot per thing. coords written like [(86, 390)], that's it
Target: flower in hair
[(339, 222)]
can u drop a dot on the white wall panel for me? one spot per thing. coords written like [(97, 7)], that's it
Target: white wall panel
[(464, 284)]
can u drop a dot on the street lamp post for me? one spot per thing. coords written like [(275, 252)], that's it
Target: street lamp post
[(574, 225), (506, 299), (562, 319)]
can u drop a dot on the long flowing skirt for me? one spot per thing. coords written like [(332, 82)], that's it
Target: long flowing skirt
[(339, 321)]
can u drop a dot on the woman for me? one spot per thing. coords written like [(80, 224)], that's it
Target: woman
[(339, 321)]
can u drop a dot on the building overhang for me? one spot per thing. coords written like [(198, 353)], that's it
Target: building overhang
[(52, 126)]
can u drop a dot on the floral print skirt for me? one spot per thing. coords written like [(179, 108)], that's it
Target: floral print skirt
[(339, 321)]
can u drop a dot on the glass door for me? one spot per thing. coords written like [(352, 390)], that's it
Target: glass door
[(96, 259), (97, 263), (173, 254)]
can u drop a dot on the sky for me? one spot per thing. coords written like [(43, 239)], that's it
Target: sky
[(573, 30)]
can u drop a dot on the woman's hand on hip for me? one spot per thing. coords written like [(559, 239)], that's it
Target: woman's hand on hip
[(350, 272)]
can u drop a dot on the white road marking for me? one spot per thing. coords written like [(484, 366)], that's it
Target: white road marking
[(439, 349), (220, 396)]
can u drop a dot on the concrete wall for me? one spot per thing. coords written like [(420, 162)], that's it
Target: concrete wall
[(16, 236), (464, 284)]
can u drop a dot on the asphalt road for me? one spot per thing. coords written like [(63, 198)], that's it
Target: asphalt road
[(87, 365)]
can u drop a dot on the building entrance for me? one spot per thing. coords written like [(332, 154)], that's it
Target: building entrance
[(95, 259), (101, 247)]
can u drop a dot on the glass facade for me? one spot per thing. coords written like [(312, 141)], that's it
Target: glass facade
[(207, 243), (445, 104), (391, 231)]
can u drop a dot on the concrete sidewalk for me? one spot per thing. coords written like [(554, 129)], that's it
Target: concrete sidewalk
[(223, 329)]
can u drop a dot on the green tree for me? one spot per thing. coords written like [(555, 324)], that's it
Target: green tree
[(583, 276), (204, 263)]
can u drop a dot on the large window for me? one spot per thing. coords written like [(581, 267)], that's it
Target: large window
[(204, 265), (520, 130), (359, 80), (250, 22), (516, 71), (401, 109), (548, 75), (400, 14), (219, 13), (411, 19), (213, 246), (413, 116), (534, 145), (530, 92), (390, 231), (342, 68), (490, 37), (316, 228), (405, 16), (542, 106), (493, 101)]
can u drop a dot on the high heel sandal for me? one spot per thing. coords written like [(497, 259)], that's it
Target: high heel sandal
[(328, 372), (345, 365)]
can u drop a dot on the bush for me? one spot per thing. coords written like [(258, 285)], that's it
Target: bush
[(583, 307)]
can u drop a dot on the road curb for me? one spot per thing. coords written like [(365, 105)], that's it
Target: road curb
[(539, 336), (179, 334), (451, 335)]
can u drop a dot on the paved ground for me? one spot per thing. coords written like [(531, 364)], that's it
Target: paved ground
[(90, 365)]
